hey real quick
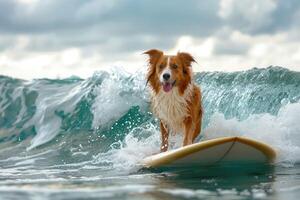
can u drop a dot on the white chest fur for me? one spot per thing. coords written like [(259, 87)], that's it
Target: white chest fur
[(172, 108)]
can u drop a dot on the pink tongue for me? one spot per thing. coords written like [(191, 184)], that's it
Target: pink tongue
[(167, 87)]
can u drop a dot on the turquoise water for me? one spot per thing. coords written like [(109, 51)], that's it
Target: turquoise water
[(84, 138)]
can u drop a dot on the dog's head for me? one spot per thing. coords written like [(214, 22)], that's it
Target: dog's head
[(169, 71)]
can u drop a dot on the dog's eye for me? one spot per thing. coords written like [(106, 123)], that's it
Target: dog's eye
[(174, 66), (161, 66)]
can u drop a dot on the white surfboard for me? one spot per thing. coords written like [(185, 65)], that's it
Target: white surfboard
[(215, 151)]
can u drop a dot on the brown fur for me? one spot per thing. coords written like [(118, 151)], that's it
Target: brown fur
[(180, 66)]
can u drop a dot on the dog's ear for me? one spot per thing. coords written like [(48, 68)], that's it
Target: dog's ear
[(186, 58), (154, 55)]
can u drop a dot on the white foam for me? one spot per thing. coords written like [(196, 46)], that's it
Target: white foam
[(281, 132), (113, 98), (126, 155)]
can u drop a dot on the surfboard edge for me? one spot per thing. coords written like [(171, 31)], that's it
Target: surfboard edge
[(169, 156)]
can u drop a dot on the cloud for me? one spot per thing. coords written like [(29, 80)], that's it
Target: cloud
[(249, 15), (230, 42), (75, 36), (259, 17), (68, 23), (115, 17), (258, 51), (116, 26)]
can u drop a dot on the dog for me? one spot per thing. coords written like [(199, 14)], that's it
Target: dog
[(175, 98)]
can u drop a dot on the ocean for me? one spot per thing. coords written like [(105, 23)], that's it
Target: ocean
[(77, 138)]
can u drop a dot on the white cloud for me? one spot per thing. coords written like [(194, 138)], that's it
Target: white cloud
[(56, 38), (70, 56), (263, 51), (199, 47), (30, 65), (19, 63)]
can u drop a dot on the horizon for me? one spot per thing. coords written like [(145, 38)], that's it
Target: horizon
[(50, 39)]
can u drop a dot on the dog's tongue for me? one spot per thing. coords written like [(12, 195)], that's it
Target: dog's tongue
[(167, 87)]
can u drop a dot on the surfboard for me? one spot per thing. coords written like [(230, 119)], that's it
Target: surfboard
[(214, 151)]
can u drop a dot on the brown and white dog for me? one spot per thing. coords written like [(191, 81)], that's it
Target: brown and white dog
[(175, 99)]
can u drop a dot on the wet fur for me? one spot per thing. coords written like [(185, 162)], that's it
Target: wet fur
[(180, 110)]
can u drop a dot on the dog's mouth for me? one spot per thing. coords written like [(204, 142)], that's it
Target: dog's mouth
[(167, 86)]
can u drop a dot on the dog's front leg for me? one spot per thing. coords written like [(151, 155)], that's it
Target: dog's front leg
[(164, 138), (188, 137)]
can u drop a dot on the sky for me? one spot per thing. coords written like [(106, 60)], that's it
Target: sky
[(61, 38)]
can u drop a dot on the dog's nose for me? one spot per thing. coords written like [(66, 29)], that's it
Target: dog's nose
[(166, 76)]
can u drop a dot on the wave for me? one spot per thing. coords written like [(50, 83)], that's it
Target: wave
[(108, 115)]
